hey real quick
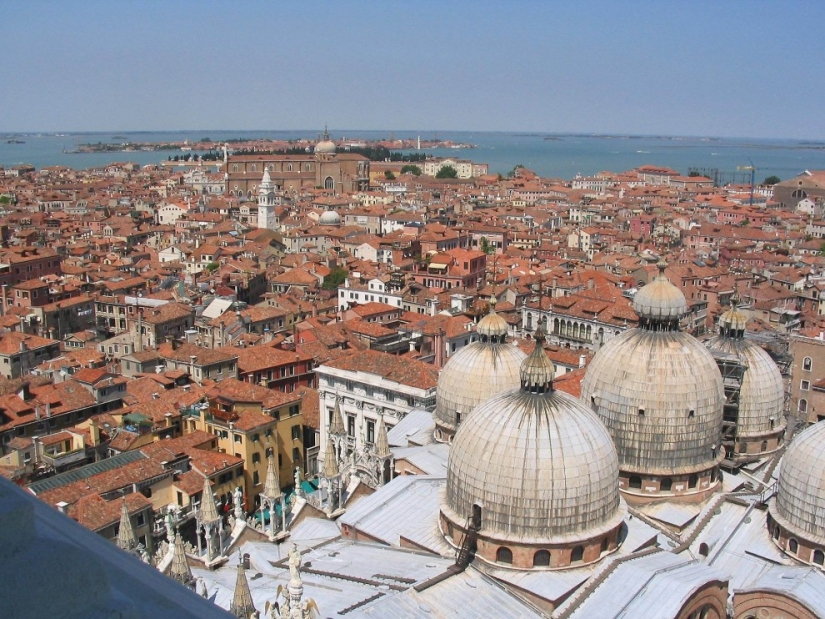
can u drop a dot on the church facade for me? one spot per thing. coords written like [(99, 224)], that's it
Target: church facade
[(325, 168)]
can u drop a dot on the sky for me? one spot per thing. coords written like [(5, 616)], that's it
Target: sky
[(699, 68)]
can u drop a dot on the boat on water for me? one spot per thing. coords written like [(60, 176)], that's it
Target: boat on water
[(15, 142)]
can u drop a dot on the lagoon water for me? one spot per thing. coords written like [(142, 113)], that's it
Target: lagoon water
[(550, 155)]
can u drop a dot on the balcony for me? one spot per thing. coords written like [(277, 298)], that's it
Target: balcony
[(65, 459)]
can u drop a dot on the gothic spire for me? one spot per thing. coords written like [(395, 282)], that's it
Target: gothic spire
[(330, 459), (209, 510), (382, 442), (272, 486), (336, 426), (126, 538), (180, 569), (241, 605)]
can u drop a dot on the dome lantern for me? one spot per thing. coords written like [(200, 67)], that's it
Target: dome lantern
[(660, 305)]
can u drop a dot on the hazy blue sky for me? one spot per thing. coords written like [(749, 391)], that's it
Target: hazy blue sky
[(720, 68)]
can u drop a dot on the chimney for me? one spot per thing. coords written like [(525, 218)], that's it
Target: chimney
[(94, 432), (62, 507), (582, 360), (439, 348)]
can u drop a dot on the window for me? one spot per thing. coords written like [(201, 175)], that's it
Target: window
[(541, 559), (692, 481), (351, 425), (819, 557), (635, 482), (256, 479), (370, 431), (805, 385), (776, 532), (641, 412), (296, 432), (296, 455), (666, 485), (803, 405), (807, 364), (577, 554), (256, 457), (504, 555), (238, 438), (605, 544), (793, 546)]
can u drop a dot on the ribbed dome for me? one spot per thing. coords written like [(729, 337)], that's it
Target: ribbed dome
[(762, 394), (660, 395), (800, 499), (541, 466), (329, 218), (472, 375), (660, 300)]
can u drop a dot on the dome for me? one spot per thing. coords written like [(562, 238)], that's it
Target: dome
[(325, 145), (540, 465), (660, 395), (329, 218), (475, 373), (762, 390), (799, 504), (660, 300)]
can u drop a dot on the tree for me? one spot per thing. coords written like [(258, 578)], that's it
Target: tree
[(447, 171), (335, 278), (389, 175), (5, 200), (822, 249), (485, 246), (514, 172), (411, 169), (771, 180)]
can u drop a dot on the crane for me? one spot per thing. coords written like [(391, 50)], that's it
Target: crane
[(752, 169)]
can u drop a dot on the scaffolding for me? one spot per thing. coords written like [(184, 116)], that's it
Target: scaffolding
[(733, 369)]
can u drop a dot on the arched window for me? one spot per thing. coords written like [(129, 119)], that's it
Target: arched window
[(763, 446), (799, 193), (529, 325), (477, 515), (713, 476), (807, 364), (308, 167), (793, 546), (635, 482), (803, 405), (504, 555), (234, 167), (666, 485), (329, 183), (703, 549), (254, 168), (819, 557), (577, 554), (541, 558), (692, 481), (776, 532), (289, 167)]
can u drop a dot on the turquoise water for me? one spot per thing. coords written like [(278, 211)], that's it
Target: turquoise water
[(561, 156)]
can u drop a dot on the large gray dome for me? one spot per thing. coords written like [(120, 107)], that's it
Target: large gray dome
[(660, 395), (762, 393), (540, 464), (476, 373), (659, 391), (800, 499)]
